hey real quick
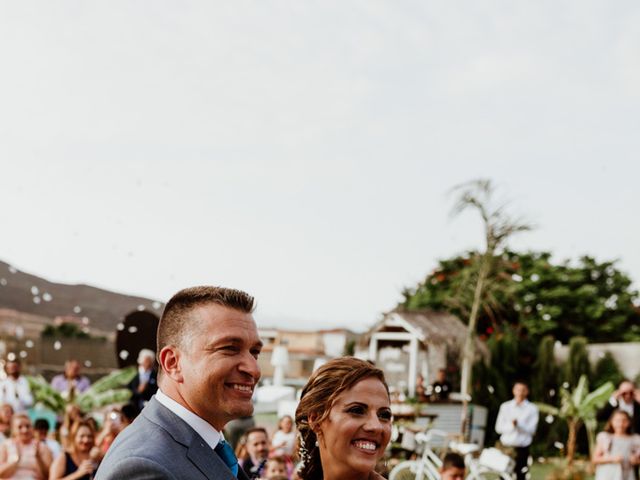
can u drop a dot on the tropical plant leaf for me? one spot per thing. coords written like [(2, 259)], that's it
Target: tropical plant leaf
[(101, 399), (45, 394), (115, 379), (548, 409), (580, 390), (595, 400)]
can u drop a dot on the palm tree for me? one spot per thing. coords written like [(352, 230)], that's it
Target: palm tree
[(579, 408), (498, 227)]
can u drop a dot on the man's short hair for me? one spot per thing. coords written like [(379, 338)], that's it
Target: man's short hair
[(175, 323), (256, 430), (452, 460), (41, 424)]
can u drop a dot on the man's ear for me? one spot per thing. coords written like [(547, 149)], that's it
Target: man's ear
[(169, 360)]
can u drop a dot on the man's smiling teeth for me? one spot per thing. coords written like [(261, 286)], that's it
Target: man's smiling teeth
[(364, 445), (242, 388)]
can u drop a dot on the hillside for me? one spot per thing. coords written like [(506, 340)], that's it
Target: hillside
[(47, 300)]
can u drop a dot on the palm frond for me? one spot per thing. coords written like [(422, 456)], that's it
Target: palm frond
[(548, 409), (95, 401), (45, 394), (115, 379)]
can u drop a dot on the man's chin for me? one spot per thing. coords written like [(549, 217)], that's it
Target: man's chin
[(244, 410)]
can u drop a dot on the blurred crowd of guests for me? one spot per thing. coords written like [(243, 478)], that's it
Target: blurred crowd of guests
[(438, 391), (73, 447)]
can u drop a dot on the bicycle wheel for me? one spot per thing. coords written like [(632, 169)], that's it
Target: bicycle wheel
[(408, 470), (404, 470)]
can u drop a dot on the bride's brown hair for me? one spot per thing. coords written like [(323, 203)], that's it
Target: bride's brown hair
[(318, 396)]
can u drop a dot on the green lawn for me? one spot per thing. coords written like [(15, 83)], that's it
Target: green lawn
[(539, 471)]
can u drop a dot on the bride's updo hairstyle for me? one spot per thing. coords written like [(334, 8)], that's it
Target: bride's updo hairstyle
[(317, 399)]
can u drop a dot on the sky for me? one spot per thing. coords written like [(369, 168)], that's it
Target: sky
[(303, 151)]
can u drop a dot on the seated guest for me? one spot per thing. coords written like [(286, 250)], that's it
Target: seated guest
[(76, 463), (258, 451), (22, 456), (112, 426), (128, 413), (145, 384), (276, 468), (72, 414), (441, 387), (6, 413), (41, 432), (421, 391), (453, 467), (15, 389), (617, 449), (70, 383)]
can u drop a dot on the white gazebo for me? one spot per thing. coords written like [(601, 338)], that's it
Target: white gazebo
[(405, 344)]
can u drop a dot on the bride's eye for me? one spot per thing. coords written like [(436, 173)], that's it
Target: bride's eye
[(356, 410), (385, 415)]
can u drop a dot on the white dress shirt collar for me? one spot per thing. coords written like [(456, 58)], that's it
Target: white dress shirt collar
[(626, 407), (201, 426)]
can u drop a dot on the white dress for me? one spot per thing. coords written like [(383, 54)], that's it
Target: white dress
[(625, 446), (289, 441)]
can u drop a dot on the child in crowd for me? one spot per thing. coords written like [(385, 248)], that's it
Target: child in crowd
[(453, 467), (617, 451), (41, 431), (275, 469), (284, 439), (6, 413)]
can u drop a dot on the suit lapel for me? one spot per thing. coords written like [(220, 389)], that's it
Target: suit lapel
[(198, 452), (241, 474), (208, 461)]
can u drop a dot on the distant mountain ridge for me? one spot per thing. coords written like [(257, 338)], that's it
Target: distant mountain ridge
[(96, 308)]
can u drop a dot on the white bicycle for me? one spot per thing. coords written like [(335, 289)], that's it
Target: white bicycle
[(428, 466)]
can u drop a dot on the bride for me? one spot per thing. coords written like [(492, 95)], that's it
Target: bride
[(344, 419)]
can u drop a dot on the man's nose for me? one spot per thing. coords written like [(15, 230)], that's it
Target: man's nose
[(250, 366)]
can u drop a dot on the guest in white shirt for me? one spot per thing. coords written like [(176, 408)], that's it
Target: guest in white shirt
[(14, 389), (517, 423), (625, 398)]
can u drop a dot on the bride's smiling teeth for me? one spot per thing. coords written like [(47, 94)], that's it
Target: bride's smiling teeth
[(365, 445)]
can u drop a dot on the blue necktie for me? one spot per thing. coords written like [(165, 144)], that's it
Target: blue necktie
[(225, 452)]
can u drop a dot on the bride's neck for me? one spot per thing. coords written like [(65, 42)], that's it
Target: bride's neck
[(342, 474)]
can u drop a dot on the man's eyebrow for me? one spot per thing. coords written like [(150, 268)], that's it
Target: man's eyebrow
[(234, 341)]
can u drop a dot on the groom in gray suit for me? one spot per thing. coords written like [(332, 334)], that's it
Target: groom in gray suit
[(208, 346)]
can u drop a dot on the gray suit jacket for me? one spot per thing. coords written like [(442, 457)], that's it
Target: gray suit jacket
[(160, 445)]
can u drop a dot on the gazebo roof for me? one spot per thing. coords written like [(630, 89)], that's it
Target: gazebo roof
[(430, 327)]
